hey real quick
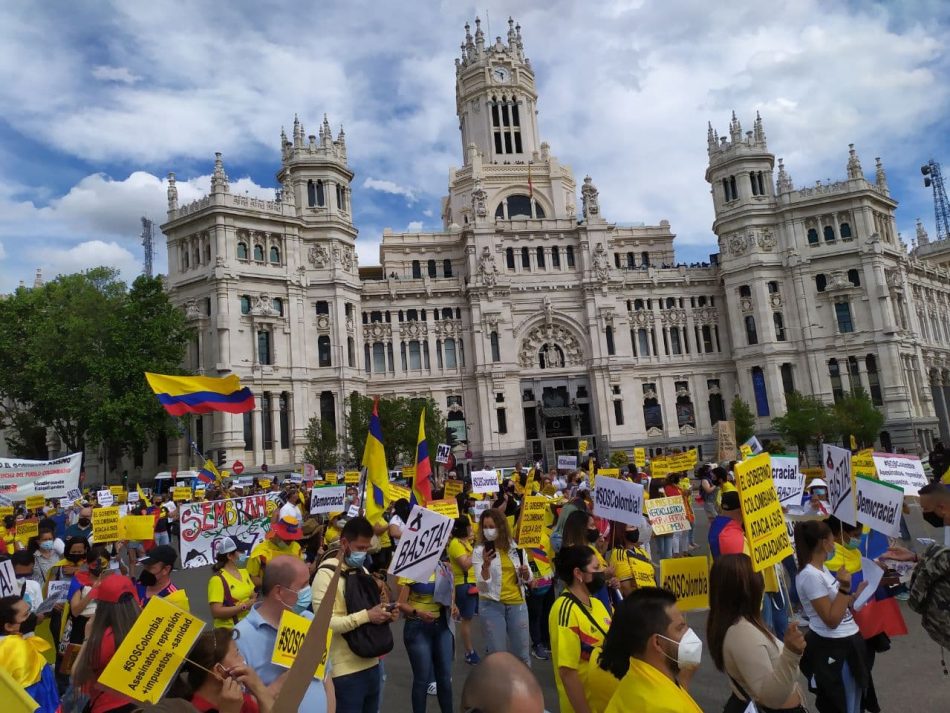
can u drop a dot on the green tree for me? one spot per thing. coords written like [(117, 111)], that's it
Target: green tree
[(772, 446), (744, 420), (807, 421), (321, 449), (618, 459), (74, 353), (856, 415), (399, 418)]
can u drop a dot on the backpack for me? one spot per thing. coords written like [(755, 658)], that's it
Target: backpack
[(361, 592)]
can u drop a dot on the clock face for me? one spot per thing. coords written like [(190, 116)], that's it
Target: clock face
[(500, 74)]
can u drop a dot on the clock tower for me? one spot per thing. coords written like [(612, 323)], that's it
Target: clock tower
[(496, 100)]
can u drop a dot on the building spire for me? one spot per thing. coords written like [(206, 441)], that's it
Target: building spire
[(479, 37), (735, 129), (298, 133), (512, 35), (880, 178), (922, 237), (172, 192), (712, 141), (854, 163), (759, 131), (784, 182), (219, 179)]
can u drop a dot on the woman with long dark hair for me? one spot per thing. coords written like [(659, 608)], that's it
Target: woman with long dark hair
[(230, 589), (835, 661), (759, 666), (580, 530), (466, 592), (631, 563), (22, 656)]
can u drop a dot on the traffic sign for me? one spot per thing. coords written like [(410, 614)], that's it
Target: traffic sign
[(237, 468)]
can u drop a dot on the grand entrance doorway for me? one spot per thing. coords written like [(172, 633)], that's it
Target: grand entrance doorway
[(558, 413)]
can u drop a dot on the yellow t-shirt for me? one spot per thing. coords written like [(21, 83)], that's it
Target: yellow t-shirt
[(644, 689), (600, 557), (627, 566), (541, 559), (510, 586), (575, 642), (420, 597), (331, 535), (241, 590), (265, 552), (458, 548), (851, 559)]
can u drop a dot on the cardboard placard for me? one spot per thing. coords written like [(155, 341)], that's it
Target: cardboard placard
[(531, 526), (442, 453), (117, 491), (448, 507), (667, 515), (789, 482), (264, 483), (27, 529), (291, 634), (105, 525), (351, 477), (837, 465), (619, 500), (6, 510), (567, 462), (397, 492), (901, 470), (423, 538), (327, 498), (105, 498), (181, 494), (137, 527), (453, 488), (879, 505), (484, 481), (205, 524), (640, 457), (688, 579), (862, 464), (725, 440), (582, 447), (609, 472), (34, 502), (763, 519)]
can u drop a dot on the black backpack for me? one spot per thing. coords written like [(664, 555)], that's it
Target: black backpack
[(362, 592)]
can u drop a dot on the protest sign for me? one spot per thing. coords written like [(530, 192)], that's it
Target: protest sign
[(397, 492), (8, 585), (754, 446), (837, 464), (204, 525), (640, 457), (442, 453), (105, 525), (6, 510), (879, 505), (423, 538), (181, 494), (762, 516), (567, 462), (479, 507), (453, 488), (264, 483), (351, 477), (148, 658), (310, 472), (619, 500), (73, 495), (105, 498), (448, 507), (609, 472), (688, 579), (169, 506), (327, 498), (745, 452), (667, 515), (789, 482), (531, 527), (725, 440), (675, 463), (117, 491), (200, 492), (484, 481), (408, 471), (862, 463), (137, 527), (290, 637), (19, 478), (27, 529), (903, 470), (582, 447), (34, 502), (55, 594), (296, 478), (133, 496)]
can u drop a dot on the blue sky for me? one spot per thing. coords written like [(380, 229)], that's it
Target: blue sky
[(98, 101)]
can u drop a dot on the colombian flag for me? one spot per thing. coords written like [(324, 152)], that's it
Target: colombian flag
[(208, 473), (377, 473), (422, 482), (200, 394)]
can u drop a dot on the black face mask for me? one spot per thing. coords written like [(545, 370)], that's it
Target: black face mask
[(933, 519), (597, 582), (593, 534), (75, 559), (95, 571), (83, 522), (632, 536), (147, 579), (29, 625)]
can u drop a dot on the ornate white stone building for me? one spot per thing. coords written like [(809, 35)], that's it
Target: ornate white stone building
[(531, 318)]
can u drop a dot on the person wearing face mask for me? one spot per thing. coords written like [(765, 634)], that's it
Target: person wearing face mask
[(631, 563), (27, 587), (817, 502), (286, 587), (930, 581), (578, 624), (64, 571), (230, 589), (284, 539), (581, 529), (466, 593), (356, 677), (22, 656), (9, 534), (835, 661), (83, 525), (155, 577), (45, 557), (654, 653)]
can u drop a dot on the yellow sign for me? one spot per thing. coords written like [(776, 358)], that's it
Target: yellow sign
[(609, 472), (181, 494), (6, 510), (676, 463), (688, 579), (397, 492), (351, 477), (531, 529), (449, 508), (105, 525), (27, 529), (137, 527), (290, 635), (745, 451), (148, 658), (862, 464), (264, 483), (453, 488), (117, 490), (762, 514), (34, 502), (640, 457), (582, 447), (408, 471)]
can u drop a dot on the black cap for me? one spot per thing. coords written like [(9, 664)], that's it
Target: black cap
[(162, 553), (730, 501)]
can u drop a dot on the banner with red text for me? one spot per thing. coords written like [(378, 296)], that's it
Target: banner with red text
[(20, 478), (204, 526)]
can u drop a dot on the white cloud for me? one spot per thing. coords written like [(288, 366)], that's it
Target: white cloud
[(377, 184), (3, 252), (89, 254), (114, 74), (414, 226)]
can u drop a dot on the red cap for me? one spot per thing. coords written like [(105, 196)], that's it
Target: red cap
[(112, 589), (287, 528)]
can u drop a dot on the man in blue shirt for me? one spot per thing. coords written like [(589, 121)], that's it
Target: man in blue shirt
[(286, 585)]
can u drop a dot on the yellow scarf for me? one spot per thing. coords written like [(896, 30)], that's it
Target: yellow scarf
[(23, 658)]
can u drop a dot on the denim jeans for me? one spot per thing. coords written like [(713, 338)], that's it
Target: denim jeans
[(664, 546), (539, 606), (358, 692), (161, 538), (431, 651), (505, 624)]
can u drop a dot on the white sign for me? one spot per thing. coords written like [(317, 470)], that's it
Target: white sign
[(423, 538), (170, 506), (74, 495), (754, 444), (133, 496), (616, 499), (296, 478), (5, 501), (479, 507), (879, 505), (905, 471), (567, 462), (207, 524), (105, 498), (442, 453), (837, 463), (20, 478), (309, 472), (8, 585), (789, 482), (329, 498), (484, 481), (873, 574)]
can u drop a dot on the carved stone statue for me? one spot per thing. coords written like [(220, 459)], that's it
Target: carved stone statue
[(589, 195), (553, 358), (172, 193), (487, 269), (601, 264), (287, 196), (479, 200), (318, 256)]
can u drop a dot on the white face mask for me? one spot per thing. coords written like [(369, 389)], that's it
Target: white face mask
[(646, 532), (689, 650), (489, 533)]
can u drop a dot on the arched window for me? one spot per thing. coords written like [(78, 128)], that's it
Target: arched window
[(779, 323), (197, 256), (259, 253), (263, 347), (506, 125), (834, 372), (525, 259), (829, 233), (670, 302), (340, 197), (367, 363), (569, 255), (277, 304), (275, 256), (242, 251), (744, 291), (821, 282), (495, 347), (323, 351), (773, 287), (751, 336), (416, 270), (539, 254), (245, 304), (555, 258), (652, 411), (451, 360), (631, 261), (643, 342), (415, 354), (874, 380), (430, 268), (845, 230), (813, 236), (854, 277), (685, 413), (447, 268), (609, 335), (761, 395), (510, 258), (518, 206), (323, 307), (788, 381)]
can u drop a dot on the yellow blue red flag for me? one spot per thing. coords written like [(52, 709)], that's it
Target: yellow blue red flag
[(422, 481), (377, 472), (201, 394)]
